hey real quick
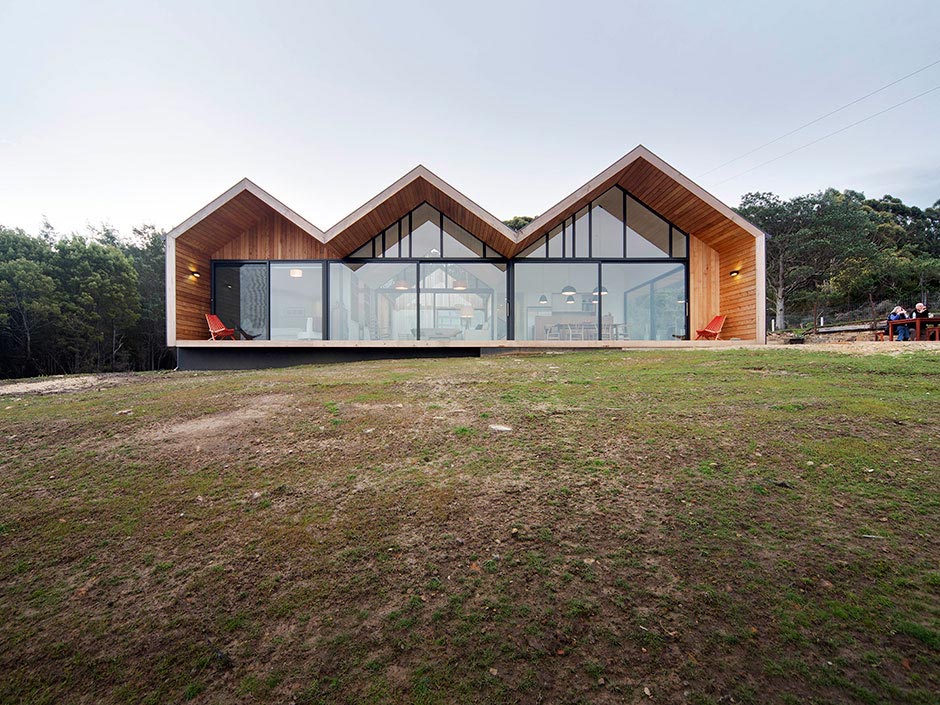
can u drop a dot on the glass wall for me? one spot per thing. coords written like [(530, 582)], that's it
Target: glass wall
[(373, 301), (612, 270), (647, 233), (645, 301), (463, 301), (240, 298), (424, 233), (607, 225), (296, 301), (556, 301)]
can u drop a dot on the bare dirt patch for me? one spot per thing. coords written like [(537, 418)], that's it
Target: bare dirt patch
[(65, 383), (227, 423)]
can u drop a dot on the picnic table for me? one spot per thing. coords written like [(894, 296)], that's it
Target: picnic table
[(930, 326)]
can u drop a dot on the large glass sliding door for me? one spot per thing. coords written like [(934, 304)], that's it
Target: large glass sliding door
[(600, 301), (556, 301), (240, 297), (296, 301), (463, 301), (646, 301), (380, 301), (373, 301)]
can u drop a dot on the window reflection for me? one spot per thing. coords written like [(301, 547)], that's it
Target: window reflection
[(556, 301), (373, 301), (296, 301), (240, 295), (645, 301), (463, 301)]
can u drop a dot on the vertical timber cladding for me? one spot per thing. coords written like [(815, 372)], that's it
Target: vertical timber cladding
[(738, 294), (274, 237), (193, 295), (704, 299)]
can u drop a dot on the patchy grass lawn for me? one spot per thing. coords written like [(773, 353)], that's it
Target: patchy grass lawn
[(683, 526)]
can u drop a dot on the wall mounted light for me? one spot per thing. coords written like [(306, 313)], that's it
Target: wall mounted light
[(296, 273), (543, 299), (734, 273), (195, 275)]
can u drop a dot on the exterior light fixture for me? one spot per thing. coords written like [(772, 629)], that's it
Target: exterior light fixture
[(569, 299), (602, 291), (569, 291), (402, 285), (296, 273), (734, 272), (543, 299), (460, 285), (195, 275)]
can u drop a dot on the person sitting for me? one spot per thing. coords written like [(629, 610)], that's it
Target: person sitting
[(920, 311), (899, 314)]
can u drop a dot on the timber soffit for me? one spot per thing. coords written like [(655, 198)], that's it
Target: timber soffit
[(512, 237)]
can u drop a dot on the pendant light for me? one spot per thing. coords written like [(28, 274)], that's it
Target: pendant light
[(569, 299), (543, 300), (602, 291), (569, 290)]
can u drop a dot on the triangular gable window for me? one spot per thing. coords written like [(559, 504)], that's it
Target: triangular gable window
[(425, 233), (601, 231)]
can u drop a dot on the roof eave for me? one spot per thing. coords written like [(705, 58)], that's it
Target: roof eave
[(260, 194), (639, 152), (422, 172)]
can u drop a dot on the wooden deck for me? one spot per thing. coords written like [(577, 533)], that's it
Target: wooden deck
[(506, 344)]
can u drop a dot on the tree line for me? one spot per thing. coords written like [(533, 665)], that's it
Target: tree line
[(95, 302), (843, 253), (82, 303)]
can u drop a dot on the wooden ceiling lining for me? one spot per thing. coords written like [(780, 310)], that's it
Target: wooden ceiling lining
[(403, 202), (670, 197), (376, 220), (664, 195), (227, 222)]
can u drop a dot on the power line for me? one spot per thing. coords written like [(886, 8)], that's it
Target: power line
[(813, 122), (835, 132)]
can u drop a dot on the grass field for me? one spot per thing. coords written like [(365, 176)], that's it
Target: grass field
[(671, 527)]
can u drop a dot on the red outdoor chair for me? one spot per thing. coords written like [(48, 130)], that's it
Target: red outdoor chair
[(217, 329), (712, 331)]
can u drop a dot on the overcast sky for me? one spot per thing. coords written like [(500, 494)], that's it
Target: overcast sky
[(137, 112)]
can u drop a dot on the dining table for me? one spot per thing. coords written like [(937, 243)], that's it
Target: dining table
[(928, 326)]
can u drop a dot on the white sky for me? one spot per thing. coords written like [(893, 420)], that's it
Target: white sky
[(142, 112)]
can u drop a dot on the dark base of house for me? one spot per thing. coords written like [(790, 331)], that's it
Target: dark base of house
[(242, 359)]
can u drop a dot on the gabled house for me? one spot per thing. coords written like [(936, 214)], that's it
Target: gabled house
[(638, 256)]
